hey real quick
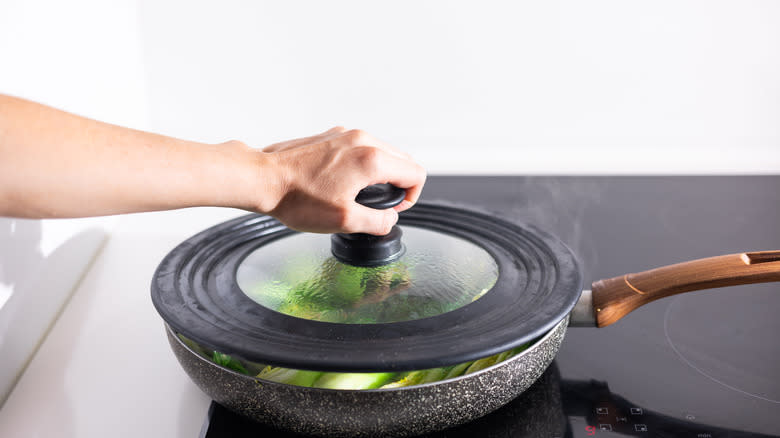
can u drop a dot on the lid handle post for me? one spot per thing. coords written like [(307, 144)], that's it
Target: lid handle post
[(360, 249)]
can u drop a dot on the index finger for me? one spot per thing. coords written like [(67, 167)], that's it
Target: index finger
[(403, 173)]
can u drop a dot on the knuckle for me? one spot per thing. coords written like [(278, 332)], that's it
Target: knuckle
[(369, 159), (235, 144), (356, 136), (331, 146)]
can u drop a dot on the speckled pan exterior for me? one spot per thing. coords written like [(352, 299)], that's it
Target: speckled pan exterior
[(372, 413)]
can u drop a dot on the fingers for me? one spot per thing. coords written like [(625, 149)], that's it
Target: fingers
[(368, 220), (403, 173), (353, 137), (396, 167), (357, 137), (325, 172)]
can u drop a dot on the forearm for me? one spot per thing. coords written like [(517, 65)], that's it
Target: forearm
[(56, 164)]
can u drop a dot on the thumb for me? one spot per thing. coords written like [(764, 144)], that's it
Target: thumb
[(368, 220)]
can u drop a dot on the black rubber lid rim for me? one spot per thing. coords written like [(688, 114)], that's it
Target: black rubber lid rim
[(195, 291)]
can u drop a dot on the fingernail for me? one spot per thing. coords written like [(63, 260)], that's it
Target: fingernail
[(404, 205)]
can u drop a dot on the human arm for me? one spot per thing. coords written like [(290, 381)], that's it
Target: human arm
[(57, 164)]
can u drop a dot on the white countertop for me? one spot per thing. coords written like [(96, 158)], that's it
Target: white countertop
[(105, 369)]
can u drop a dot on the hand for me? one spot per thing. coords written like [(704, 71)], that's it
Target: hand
[(57, 164), (320, 176)]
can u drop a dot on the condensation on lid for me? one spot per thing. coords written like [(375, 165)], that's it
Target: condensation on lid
[(298, 276)]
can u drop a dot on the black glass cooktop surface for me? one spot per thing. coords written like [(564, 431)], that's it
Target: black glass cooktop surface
[(704, 364)]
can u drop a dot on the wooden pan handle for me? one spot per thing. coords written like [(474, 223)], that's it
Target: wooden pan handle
[(615, 297)]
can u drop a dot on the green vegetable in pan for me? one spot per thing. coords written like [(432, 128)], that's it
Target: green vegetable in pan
[(319, 379), (336, 292)]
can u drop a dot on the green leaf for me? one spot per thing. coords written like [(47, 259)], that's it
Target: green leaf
[(226, 361), (457, 370)]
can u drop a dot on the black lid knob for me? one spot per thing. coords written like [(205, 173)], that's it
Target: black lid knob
[(360, 249), (381, 196)]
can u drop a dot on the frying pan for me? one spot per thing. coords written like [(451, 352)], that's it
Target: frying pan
[(423, 408)]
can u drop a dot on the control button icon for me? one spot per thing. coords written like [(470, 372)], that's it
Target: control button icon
[(605, 427), (636, 411), (640, 427), (690, 417), (621, 419), (602, 411)]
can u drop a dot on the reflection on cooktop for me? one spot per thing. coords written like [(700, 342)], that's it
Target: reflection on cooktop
[(731, 341)]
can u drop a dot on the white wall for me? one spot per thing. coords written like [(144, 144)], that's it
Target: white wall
[(83, 56), (481, 87), (478, 87)]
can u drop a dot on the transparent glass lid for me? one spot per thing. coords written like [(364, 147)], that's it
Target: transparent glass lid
[(298, 276)]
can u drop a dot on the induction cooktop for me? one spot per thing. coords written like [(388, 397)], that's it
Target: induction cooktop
[(704, 364)]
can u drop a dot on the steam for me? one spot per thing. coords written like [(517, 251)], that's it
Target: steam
[(559, 206)]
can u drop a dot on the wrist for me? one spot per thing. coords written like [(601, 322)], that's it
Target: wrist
[(255, 178)]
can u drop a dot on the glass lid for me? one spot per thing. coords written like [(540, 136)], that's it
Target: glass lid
[(461, 284), (298, 276)]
